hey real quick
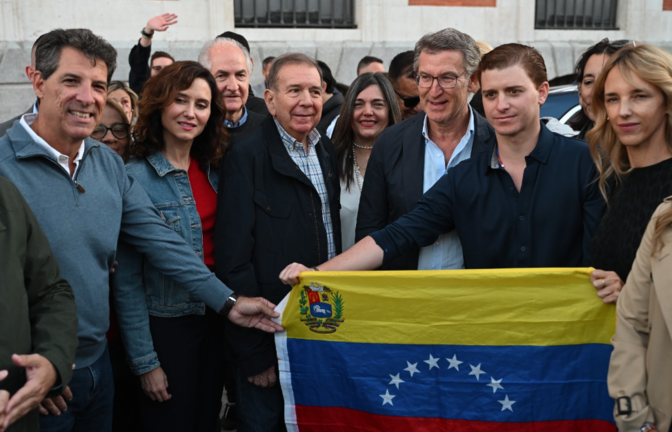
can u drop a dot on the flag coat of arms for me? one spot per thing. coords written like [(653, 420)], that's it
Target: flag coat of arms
[(464, 350)]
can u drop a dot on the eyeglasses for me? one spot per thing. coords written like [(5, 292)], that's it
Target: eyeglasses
[(445, 81), (119, 130), (409, 101)]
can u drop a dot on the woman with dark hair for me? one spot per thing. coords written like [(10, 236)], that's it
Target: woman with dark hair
[(587, 70), (370, 106), (631, 145), (179, 140)]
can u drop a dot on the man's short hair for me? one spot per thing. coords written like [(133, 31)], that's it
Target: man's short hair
[(267, 61), (367, 60), (204, 56), (237, 37), (327, 77), (401, 66), (290, 59), (449, 39), (160, 54), (513, 54), (48, 51)]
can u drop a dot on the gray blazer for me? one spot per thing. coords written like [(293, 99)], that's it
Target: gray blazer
[(4, 127)]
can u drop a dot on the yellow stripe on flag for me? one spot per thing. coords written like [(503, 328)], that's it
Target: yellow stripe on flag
[(552, 306)]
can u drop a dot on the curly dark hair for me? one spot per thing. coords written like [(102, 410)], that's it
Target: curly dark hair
[(160, 91)]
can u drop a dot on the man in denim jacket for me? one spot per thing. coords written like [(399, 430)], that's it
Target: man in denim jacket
[(84, 202)]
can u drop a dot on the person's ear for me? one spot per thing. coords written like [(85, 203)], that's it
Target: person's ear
[(543, 92), (38, 84), (473, 84), (269, 98)]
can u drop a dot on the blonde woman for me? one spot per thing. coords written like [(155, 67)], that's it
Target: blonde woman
[(631, 144)]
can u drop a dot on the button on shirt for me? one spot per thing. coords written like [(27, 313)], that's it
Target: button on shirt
[(239, 123), (309, 164), (60, 158), (549, 223), (446, 251)]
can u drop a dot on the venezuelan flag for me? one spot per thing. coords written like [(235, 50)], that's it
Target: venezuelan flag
[(466, 350)]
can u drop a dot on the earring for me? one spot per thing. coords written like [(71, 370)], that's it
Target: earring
[(607, 118)]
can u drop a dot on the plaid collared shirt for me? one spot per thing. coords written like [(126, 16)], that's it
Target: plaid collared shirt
[(310, 166)]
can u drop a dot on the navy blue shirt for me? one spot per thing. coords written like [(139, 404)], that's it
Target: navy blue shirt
[(549, 223)]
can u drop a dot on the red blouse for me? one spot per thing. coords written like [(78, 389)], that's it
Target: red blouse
[(206, 205)]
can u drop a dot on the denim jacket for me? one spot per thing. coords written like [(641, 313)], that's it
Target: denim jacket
[(170, 191)]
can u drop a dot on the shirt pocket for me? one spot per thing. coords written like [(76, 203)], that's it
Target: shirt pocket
[(272, 207), (171, 216)]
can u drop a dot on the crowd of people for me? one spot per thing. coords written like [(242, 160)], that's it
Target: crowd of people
[(149, 228)]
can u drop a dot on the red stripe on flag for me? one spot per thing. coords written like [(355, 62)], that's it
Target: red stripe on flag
[(327, 419)]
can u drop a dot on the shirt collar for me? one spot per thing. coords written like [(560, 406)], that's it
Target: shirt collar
[(470, 127), (27, 120), (541, 151), (239, 123), (292, 144)]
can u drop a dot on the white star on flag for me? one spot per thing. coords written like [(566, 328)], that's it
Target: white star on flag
[(476, 371), (387, 398), (506, 403), (396, 380), (432, 362), (495, 384), (412, 368), (454, 363)]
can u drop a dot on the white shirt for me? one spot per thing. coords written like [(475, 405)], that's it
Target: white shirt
[(446, 252), (60, 158)]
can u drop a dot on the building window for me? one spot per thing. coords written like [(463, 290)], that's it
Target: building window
[(295, 13), (576, 14)]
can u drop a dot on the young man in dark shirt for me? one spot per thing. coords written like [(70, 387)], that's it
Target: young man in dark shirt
[(530, 200)]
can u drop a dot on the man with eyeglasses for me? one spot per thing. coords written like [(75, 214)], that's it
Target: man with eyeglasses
[(402, 77), (411, 156)]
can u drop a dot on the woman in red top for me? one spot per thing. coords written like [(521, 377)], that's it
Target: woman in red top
[(174, 341)]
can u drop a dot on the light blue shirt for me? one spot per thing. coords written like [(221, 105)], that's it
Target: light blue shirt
[(239, 123), (446, 252)]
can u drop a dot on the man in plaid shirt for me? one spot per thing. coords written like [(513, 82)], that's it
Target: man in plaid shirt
[(278, 203)]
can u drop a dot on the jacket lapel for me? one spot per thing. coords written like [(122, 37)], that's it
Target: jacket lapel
[(661, 270), (280, 159), (413, 154)]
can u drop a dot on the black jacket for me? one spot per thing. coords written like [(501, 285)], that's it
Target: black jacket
[(394, 179), (268, 216), (329, 112), (140, 71)]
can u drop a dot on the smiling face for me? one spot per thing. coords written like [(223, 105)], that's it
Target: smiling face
[(590, 73), (443, 105), (296, 102), (370, 116), (229, 67), (111, 117), (636, 109), (511, 100), (124, 100), (186, 117), (72, 99)]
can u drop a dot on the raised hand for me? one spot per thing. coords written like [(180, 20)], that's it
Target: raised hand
[(161, 22)]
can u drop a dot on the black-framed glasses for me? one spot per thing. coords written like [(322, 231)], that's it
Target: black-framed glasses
[(409, 101), (445, 81), (621, 43), (119, 130)]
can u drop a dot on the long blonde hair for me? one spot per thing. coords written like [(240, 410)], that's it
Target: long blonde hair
[(653, 65)]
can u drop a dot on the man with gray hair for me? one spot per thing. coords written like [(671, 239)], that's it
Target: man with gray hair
[(230, 63), (278, 200), (411, 156)]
